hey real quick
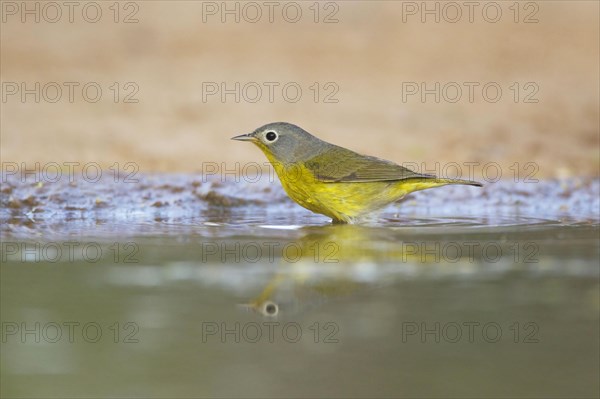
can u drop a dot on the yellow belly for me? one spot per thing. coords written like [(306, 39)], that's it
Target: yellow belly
[(344, 202)]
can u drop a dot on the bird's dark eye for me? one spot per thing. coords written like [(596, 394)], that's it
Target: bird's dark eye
[(271, 136), (271, 309)]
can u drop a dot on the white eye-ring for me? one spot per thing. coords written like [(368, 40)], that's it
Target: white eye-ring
[(271, 136)]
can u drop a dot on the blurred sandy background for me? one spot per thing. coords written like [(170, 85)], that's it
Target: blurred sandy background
[(368, 54)]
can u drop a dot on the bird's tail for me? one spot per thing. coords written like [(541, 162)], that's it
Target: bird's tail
[(417, 184), (457, 181)]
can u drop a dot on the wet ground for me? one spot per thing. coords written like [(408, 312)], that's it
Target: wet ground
[(177, 285)]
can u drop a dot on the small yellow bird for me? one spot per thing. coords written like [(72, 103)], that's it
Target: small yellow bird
[(333, 180)]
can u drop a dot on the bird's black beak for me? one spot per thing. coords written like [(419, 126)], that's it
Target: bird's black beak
[(244, 137)]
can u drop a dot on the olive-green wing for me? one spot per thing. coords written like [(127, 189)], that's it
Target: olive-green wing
[(338, 164)]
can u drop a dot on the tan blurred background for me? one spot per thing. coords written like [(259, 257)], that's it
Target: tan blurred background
[(368, 55)]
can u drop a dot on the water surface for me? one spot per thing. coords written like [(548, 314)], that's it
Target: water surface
[(180, 286)]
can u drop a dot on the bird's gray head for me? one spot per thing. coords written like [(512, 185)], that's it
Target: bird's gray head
[(284, 142)]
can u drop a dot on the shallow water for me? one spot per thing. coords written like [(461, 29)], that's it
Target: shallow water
[(176, 285)]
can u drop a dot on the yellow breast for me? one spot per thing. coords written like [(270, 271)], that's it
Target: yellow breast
[(341, 201)]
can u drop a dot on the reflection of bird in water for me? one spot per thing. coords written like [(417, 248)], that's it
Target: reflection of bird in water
[(327, 262), (337, 261), (289, 293), (263, 303)]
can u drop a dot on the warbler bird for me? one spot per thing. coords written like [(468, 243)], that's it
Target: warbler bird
[(335, 181)]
